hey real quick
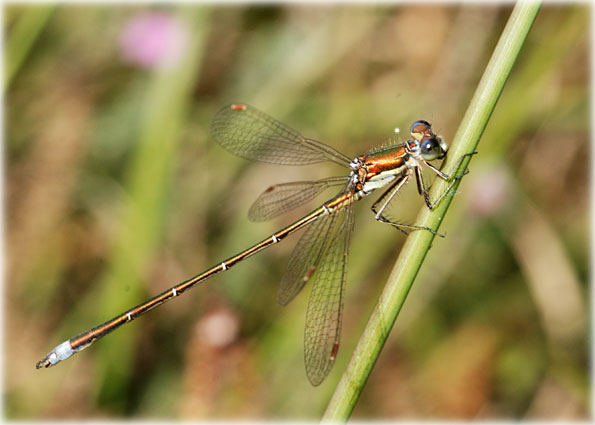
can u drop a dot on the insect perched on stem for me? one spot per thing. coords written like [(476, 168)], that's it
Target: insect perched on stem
[(321, 253)]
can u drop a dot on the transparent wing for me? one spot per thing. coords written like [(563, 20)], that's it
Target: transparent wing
[(250, 133), (305, 258), (325, 308), (283, 197)]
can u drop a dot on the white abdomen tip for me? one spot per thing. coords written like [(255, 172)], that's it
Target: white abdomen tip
[(61, 352)]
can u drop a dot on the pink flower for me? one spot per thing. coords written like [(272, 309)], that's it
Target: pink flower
[(153, 39), (219, 328), (490, 192)]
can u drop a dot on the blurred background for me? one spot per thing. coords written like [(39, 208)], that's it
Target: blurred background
[(115, 191)]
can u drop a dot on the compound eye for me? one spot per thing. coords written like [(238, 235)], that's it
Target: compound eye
[(432, 149), (419, 129)]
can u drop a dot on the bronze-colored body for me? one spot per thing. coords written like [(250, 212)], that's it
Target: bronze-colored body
[(248, 132)]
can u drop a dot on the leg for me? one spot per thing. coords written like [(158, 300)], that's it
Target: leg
[(423, 191), (389, 194), (422, 188), (448, 176)]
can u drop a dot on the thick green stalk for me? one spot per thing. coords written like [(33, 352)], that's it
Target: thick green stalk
[(418, 244)]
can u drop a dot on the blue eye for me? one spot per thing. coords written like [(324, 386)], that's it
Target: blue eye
[(422, 123), (432, 148), (419, 129)]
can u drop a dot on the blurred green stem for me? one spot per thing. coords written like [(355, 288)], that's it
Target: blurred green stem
[(22, 36), (162, 119), (418, 244)]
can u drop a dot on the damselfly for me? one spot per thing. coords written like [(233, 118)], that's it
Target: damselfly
[(321, 253)]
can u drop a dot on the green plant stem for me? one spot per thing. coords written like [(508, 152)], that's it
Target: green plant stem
[(162, 117), (21, 39), (418, 243)]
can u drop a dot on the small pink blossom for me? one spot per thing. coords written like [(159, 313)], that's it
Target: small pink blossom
[(218, 329), (490, 192), (153, 39)]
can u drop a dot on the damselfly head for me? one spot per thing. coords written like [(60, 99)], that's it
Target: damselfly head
[(431, 146)]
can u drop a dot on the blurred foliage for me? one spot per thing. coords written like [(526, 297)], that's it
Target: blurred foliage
[(114, 191)]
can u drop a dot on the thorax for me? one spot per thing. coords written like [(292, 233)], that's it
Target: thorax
[(380, 167)]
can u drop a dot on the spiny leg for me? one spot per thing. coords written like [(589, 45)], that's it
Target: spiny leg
[(390, 194), (455, 168), (423, 190)]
